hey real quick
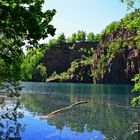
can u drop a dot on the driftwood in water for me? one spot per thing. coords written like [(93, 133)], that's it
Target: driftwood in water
[(63, 109), (2, 96)]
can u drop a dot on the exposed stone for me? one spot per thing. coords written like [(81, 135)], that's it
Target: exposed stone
[(120, 67), (124, 64), (58, 58)]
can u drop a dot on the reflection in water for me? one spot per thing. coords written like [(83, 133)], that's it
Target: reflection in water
[(108, 115), (10, 128), (82, 89), (113, 116)]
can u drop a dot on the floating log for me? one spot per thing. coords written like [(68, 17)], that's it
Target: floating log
[(2, 97), (63, 109)]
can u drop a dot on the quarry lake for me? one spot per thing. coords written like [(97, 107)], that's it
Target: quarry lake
[(108, 115)]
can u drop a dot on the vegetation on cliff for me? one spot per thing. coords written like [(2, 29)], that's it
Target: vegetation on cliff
[(120, 37), (119, 41), (115, 59), (36, 56), (136, 100)]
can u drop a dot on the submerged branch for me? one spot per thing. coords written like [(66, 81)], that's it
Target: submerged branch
[(63, 109)]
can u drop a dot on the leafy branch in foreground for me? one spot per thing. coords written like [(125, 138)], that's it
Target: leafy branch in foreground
[(21, 21), (25, 20), (130, 3), (136, 100)]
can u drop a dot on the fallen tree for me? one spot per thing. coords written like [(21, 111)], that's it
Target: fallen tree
[(63, 109)]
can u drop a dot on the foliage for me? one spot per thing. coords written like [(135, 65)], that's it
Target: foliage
[(81, 36), (90, 37), (88, 61), (10, 114), (113, 27), (118, 35), (25, 20), (54, 76), (61, 39), (30, 63), (98, 37), (130, 3), (74, 65), (96, 74), (136, 100), (10, 60), (51, 43), (64, 76), (113, 48), (40, 73), (21, 21), (137, 85), (72, 39)]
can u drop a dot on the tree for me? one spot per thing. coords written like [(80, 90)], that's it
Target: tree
[(61, 39), (51, 43), (21, 20), (40, 73), (81, 36), (25, 20), (30, 63), (11, 57), (90, 37), (130, 3), (72, 39), (136, 100), (98, 37), (136, 79)]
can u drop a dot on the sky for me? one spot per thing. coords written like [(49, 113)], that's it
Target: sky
[(86, 15)]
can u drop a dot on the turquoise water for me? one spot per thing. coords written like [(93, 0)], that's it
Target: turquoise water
[(108, 115)]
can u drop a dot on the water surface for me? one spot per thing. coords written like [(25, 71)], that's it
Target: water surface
[(108, 115)]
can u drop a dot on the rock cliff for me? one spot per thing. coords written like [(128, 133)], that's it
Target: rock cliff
[(115, 58), (121, 64), (59, 58)]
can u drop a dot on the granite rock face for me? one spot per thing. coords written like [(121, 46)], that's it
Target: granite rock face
[(119, 67), (125, 63), (58, 58), (123, 67)]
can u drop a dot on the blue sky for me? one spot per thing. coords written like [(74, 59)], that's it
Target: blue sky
[(87, 15)]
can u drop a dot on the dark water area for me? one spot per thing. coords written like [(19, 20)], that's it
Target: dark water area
[(107, 116)]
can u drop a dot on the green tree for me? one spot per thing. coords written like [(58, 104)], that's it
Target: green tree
[(130, 3), (112, 27), (81, 36), (72, 39), (51, 43), (98, 37), (10, 60), (40, 73), (25, 20), (21, 20), (90, 37), (136, 100), (30, 63), (61, 39)]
